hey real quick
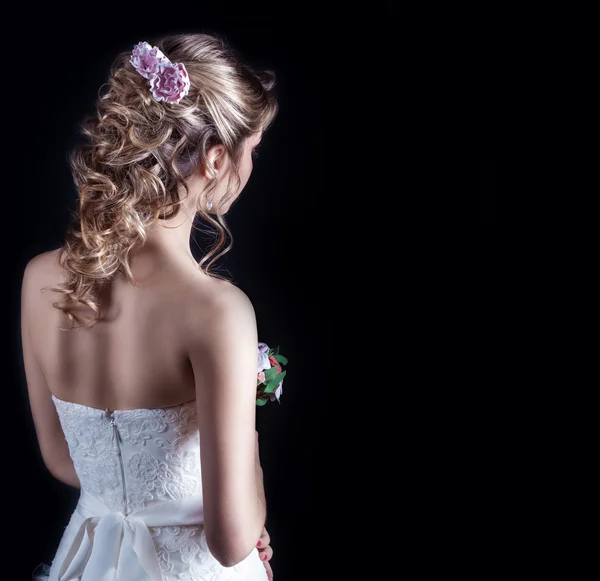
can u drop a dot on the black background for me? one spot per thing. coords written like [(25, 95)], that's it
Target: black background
[(487, 188), (299, 240)]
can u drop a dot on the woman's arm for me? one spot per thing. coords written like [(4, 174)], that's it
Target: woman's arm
[(223, 342), (67, 475)]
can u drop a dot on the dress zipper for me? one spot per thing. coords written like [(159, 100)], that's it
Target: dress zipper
[(113, 423)]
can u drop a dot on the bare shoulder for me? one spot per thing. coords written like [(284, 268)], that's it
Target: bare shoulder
[(43, 268), (40, 272), (215, 300), (44, 262), (218, 305)]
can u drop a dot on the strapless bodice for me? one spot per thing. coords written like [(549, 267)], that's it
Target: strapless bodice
[(140, 513)]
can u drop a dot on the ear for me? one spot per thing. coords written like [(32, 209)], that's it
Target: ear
[(217, 161)]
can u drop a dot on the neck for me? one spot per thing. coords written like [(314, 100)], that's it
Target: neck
[(168, 241)]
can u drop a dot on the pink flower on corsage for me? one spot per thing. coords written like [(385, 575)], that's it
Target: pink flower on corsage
[(263, 357), (269, 380), (168, 81)]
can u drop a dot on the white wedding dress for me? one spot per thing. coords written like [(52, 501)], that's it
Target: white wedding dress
[(140, 512)]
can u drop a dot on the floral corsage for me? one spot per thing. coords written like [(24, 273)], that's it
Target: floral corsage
[(269, 381)]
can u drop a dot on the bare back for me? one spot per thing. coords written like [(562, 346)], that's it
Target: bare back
[(135, 357)]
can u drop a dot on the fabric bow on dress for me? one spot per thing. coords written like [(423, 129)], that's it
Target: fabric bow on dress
[(112, 546)]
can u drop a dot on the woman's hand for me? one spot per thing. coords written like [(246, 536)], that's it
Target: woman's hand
[(265, 552)]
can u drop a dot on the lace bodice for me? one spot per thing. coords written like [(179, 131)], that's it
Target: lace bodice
[(130, 460)]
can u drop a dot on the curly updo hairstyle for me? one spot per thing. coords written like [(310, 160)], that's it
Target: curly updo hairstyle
[(139, 152)]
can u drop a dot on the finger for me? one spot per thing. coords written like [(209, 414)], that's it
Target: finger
[(269, 570), (264, 540), (265, 553)]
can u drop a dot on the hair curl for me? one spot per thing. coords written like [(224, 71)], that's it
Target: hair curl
[(140, 152)]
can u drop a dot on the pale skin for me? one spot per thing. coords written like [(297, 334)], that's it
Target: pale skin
[(205, 351)]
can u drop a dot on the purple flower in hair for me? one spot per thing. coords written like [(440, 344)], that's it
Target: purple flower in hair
[(145, 59), (168, 81)]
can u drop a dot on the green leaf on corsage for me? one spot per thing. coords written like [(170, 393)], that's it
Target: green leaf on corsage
[(271, 385)]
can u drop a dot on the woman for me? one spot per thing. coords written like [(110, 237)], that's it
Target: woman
[(141, 365)]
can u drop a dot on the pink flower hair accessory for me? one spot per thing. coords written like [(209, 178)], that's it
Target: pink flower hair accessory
[(169, 81)]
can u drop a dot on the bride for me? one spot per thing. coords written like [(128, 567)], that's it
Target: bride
[(141, 364)]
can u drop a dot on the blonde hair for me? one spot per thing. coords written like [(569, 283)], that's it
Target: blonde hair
[(140, 152)]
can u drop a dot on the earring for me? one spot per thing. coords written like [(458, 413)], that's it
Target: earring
[(209, 205)]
